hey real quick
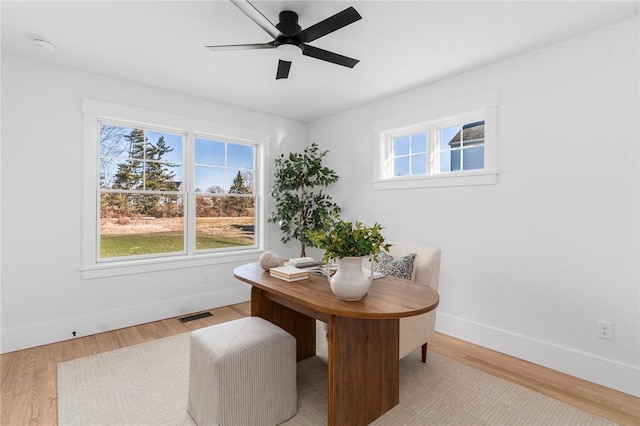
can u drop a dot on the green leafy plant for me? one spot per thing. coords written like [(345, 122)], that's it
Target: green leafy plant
[(348, 239), (300, 203)]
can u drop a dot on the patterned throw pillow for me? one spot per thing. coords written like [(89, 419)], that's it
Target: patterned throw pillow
[(400, 267)]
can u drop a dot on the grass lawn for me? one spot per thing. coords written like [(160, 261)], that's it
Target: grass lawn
[(161, 242)]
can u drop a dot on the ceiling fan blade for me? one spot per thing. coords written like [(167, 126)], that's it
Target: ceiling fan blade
[(257, 17), (283, 69), (220, 47), (325, 55), (329, 25)]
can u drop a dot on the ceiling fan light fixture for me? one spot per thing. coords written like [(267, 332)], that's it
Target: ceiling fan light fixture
[(288, 52)]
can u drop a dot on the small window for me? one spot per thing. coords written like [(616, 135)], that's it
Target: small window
[(460, 147), (456, 147), (410, 154)]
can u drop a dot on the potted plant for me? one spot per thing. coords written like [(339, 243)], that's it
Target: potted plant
[(300, 204), (348, 243)]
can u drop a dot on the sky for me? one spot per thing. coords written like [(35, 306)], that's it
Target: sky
[(216, 162)]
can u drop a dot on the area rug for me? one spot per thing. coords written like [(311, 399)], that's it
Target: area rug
[(146, 384)]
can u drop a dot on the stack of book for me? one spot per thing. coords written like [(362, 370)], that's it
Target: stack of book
[(322, 269), (302, 262), (289, 273)]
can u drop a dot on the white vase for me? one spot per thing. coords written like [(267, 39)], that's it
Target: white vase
[(349, 282)]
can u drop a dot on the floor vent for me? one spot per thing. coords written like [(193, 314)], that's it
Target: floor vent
[(195, 316)]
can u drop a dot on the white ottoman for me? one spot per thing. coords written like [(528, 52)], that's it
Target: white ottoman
[(242, 373)]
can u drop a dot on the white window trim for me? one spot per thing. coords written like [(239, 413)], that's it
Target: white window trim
[(93, 111), (484, 103)]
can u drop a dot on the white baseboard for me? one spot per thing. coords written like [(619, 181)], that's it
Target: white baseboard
[(612, 374), (13, 339)]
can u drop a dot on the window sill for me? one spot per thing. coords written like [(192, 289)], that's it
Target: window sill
[(117, 268), (446, 180)]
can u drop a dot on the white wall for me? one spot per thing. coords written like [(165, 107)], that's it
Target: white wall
[(44, 297), (530, 264)]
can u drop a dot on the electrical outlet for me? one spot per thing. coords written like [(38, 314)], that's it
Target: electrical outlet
[(605, 330)]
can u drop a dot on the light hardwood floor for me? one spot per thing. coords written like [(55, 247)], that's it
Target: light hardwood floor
[(29, 378)]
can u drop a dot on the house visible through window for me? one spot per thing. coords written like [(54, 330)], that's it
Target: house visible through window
[(455, 148), (435, 148), (149, 205), (461, 147)]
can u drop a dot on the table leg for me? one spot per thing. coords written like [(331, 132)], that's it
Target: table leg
[(364, 373), (300, 326)]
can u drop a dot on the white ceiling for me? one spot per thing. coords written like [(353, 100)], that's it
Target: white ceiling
[(401, 45)]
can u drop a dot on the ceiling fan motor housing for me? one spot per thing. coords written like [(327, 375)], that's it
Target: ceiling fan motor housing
[(288, 24)]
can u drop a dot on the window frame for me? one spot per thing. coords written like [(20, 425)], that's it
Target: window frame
[(389, 141), (184, 194), (461, 120), (95, 111), (394, 126)]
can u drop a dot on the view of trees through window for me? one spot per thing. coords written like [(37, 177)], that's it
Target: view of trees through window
[(144, 195)]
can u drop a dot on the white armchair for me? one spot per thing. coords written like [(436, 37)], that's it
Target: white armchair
[(418, 330)]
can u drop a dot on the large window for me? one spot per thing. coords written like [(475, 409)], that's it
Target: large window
[(142, 196), (165, 193), (439, 152), (143, 192), (225, 198)]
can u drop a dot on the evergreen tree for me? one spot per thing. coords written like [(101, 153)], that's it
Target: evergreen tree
[(238, 186), (145, 171), (158, 176), (238, 206), (130, 174)]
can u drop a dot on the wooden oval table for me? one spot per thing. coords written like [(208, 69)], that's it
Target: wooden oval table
[(363, 339)]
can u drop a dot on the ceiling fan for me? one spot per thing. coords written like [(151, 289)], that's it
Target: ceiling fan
[(290, 40)]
